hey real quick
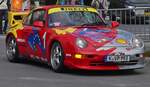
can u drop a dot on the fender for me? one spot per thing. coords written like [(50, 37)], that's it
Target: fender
[(63, 43)]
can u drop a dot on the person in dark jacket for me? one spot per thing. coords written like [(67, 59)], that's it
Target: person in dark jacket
[(70, 2), (101, 4)]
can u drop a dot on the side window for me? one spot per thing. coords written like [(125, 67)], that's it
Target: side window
[(28, 19), (38, 16)]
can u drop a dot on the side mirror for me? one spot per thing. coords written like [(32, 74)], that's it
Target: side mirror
[(114, 24), (38, 24)]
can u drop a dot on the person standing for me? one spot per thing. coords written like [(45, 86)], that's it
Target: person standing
[(3, 18), (77, 2), (60, 2), (26, 5), (70, 2), (101, 4)]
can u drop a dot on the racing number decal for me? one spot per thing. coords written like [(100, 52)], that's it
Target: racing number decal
[(34, 40), (44, 39)]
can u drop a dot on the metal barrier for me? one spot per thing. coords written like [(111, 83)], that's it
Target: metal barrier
[(135, 20)]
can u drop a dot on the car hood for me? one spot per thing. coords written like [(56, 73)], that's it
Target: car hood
[(104, 36), (98, 35)]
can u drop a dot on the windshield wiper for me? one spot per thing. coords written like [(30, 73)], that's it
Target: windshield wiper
[(92, 24), (89, 24)]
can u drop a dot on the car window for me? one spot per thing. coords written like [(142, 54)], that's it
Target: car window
[(74, 18), (28, 20), (38, 16)]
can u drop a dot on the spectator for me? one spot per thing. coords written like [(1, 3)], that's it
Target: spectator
[(77, 2), (101, 4), (26, 5), (70, 2), (4, 10)]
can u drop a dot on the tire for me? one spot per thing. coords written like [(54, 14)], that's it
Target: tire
[(12, 49), (57, 57)]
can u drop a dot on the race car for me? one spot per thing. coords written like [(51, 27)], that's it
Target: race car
[(74, 37)]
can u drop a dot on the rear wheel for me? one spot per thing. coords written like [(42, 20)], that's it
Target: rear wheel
[(57, 57), (12, 49)]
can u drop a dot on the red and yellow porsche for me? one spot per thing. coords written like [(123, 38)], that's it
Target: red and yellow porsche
[(75, 37)]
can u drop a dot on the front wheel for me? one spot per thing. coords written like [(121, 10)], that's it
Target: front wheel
[(57, 57), (12, 49)]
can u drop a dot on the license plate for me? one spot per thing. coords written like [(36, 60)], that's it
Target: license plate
[(117, 58)]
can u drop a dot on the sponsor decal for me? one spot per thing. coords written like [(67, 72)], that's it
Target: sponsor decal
[(69, 55), (98, 35), (64, 31), (124, 34), (39, 58), (67, 9), (105, 48), (21, 40), (31, 55), (74, 9), (34, 40), (121, 41)]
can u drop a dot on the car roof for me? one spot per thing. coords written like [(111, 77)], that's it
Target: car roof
[(55, 6)]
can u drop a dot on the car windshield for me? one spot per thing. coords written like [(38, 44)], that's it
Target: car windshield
[(75, 18), (140, 1)]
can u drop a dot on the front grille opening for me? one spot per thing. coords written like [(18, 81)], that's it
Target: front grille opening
[(95, 64), (133, 62), (90, 56)]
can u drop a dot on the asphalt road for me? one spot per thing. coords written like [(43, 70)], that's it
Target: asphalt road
[(32, 74)]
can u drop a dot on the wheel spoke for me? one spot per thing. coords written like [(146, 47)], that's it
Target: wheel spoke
[(11, 48), (57, 60), (55, 57)]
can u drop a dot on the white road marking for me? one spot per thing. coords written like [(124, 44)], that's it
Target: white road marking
[(35, 79)]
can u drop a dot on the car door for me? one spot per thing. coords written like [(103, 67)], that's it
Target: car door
[(40, 35), (34, 34), (26, 31)]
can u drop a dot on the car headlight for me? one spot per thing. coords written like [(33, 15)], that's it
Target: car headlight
[(81, 43), (137, 43)]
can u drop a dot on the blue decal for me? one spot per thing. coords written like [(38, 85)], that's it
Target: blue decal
[(34, 39), (124, 34), (95, 34)]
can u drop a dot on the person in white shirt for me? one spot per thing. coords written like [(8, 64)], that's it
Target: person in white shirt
[(26, 5)]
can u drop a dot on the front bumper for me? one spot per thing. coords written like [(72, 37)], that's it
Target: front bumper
[(86, 64)]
